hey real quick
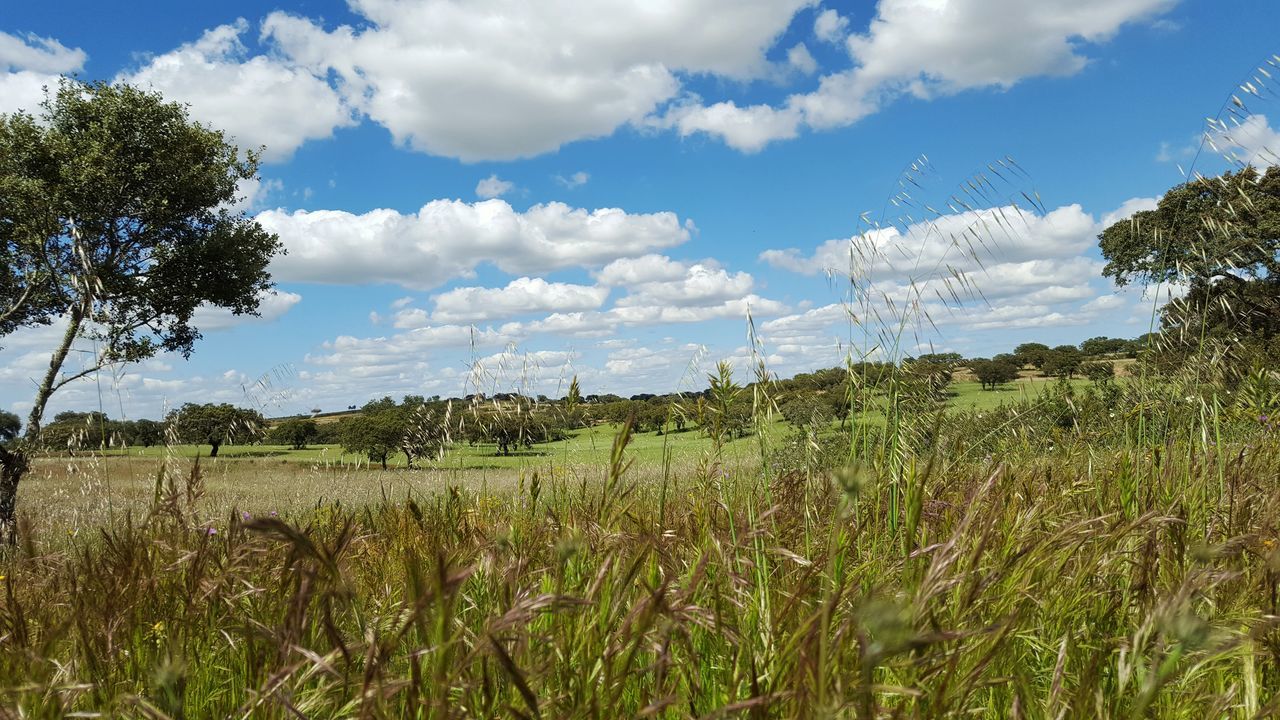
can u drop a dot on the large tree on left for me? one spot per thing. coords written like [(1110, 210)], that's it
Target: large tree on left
[(115, 226)]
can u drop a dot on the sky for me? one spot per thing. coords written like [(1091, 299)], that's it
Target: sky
[(495, 195)]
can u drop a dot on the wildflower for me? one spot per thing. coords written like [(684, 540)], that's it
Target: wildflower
[(212, 531), (273, 513), (2, 578), (246, 516)]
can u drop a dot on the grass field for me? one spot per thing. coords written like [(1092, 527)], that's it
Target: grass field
[(1122, 564)]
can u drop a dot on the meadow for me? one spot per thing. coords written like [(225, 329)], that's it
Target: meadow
[(980, 560)]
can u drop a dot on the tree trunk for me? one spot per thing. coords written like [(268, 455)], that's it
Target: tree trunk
[(13, 465), (384, 463), (213, 448)]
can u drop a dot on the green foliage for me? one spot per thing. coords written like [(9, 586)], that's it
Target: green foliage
[(726, 416), (993, 373), (806, 410), (10, 425), (1220, 236), (1099, 371), (113, 214), (377, 432), (216, 424), (1033, 353), (295, 432), (1063, 361), (1098, 346)]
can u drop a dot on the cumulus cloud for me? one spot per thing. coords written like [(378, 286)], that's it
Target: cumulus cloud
[(263, 100), (449, 239), (966, 241), (1250, 141), (28, 65), (501, 80), (799, 58), (927, 49), (830, 26), (521, 296), (492, 187), (272, 305)]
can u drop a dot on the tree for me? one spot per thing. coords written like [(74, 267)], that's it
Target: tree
[(1094, 347), (1099, 371), (115, 224), (10, 425), (806, 410), (145, 433), (1221, 237), (295, 432), (216, 425), (376, 434), (1033, 354), (1063, 361), (991, 373)]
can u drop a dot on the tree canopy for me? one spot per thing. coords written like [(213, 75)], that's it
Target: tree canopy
[(1204, 230), (216, 425), (1220, 238), (115, 218)]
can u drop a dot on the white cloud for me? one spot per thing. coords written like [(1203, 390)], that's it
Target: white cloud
[(30, 64), (272, 305), (38, 54), (259, 101), (699, 285), (1128, 209), (928, 48), (492, 187), (449, 239), (967, 241), (1251, 141), (520, 296), (577, 179), (748, 129), (799, 58), (830, 26), (501, 80)]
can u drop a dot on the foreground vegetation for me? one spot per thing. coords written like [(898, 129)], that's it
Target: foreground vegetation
[(1078, 565)]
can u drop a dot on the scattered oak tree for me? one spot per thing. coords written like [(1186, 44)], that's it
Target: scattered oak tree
[(1033, 354), (993, 373), (115, 224), (1220, 236), (1063, 361), (295, 432), (216, 425)]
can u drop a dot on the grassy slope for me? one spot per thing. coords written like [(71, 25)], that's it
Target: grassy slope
[(589, 446)]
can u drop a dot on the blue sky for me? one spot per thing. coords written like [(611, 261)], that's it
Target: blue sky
[(498, 195)]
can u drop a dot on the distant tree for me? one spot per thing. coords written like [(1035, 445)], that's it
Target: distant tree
[(116, 220), (992, 373), (1099, 371), (1063, 361), (145, 433), (1097, 346), (9, 426), (375, 434), (295, 432), (925, 384), (806, 410), (216, 425), (1033, 354), (947, 358)]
